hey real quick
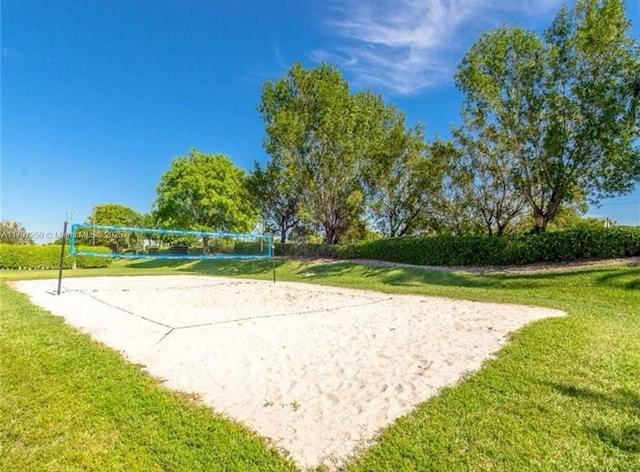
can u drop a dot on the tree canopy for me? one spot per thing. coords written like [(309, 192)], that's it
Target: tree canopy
[(336, 151), (562, 108), (111, 214), (277, 195), (404, 181), (205, 192), (316, 129)]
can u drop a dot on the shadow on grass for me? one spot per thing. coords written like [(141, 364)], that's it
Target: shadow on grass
[(228, 267), (233, 268), (397, 276), (158, 263), (625, 436), (628, 279), (622, 398), (408, 276)]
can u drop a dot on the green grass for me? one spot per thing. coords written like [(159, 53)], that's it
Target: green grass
[(67, 403), (563, 395)]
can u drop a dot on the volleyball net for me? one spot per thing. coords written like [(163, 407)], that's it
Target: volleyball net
[(156, 243)]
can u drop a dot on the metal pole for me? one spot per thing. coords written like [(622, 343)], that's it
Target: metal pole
[(64, 240), (273, 260)]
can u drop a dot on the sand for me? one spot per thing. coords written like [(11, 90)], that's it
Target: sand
[(316, 370)]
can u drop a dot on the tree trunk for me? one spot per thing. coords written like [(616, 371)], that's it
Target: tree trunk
[(205, 245), (331, 234), (542, 218), (539, 222)]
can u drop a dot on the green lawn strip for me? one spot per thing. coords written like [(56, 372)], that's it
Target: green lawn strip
[(67, 403), (549, 402), (564, 395)]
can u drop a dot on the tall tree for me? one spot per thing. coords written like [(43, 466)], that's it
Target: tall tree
[(205, 192), (565, 106), (454, 211), (321, 133), (277, 195), (113, 214), (483, 170), (402, 181)]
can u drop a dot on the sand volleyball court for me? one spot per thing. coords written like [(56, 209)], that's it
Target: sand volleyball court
[(316, 370)]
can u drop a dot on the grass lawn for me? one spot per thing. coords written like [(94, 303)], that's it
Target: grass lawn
[(564, 395)]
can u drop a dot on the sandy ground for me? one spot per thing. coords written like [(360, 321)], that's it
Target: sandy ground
[(317, 370)]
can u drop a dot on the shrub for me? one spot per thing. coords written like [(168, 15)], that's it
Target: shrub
[(570, 245), (89, 262), (13, 256)]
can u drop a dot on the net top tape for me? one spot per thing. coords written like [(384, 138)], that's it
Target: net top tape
[(182, 232)]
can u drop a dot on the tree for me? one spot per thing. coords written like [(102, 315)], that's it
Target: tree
[(454, 211), (12, 232), (277, 196), (483, 170), (321, 133), (111, 214), (572, 217), (204, 192), (403, 181), (564, 106)]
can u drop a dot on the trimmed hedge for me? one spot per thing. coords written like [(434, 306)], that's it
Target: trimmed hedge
[(26, 256), (560, 246), (434, 250)]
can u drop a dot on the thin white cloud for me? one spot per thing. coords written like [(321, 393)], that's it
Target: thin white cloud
[(279, 56), (277, 66), (406, 46)]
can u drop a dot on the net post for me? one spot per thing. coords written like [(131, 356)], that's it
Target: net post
[(272, 250), (272, 253), (64, 240)]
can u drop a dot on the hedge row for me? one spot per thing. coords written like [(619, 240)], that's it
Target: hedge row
[(26, 256), (562, 246)]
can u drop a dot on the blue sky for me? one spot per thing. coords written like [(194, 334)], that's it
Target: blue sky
[(98, 96)]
